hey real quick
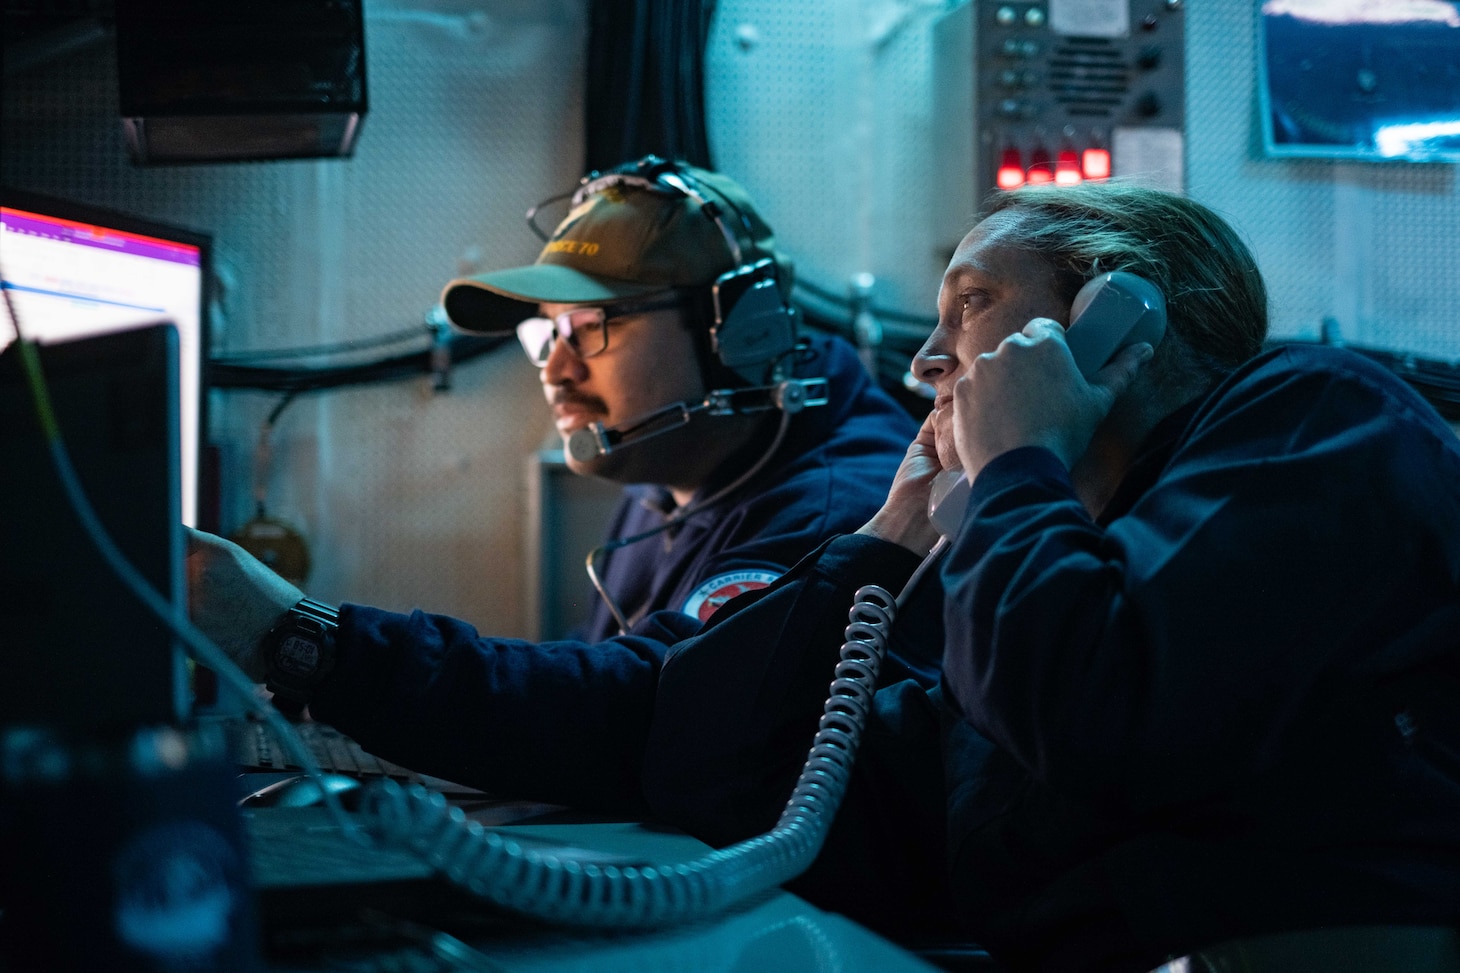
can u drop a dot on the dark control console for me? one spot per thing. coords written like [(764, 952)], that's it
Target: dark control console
[(1073, 91)]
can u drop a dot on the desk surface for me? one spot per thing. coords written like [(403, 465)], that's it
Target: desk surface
[(410, 911)]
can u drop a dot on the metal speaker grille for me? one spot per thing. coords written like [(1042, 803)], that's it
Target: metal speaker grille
[(1089, 77)]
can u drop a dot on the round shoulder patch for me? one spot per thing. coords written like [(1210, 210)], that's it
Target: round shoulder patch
[(708, 597)]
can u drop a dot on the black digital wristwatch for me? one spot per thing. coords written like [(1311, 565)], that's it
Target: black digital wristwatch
[(301, 651)]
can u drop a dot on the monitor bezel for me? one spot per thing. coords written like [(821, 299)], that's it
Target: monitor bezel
[(204, 514)]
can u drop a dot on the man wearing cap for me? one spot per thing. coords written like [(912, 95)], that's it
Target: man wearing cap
[(658, 313)]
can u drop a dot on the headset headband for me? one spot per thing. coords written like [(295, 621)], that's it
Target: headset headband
[(665, 177)]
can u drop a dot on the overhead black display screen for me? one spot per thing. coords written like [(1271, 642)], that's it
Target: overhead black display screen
[(1360, 79)]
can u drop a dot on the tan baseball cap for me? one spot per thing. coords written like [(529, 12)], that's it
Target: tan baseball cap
[(636, 230)]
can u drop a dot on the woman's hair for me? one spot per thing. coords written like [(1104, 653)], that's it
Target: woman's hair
[(1216, 302)]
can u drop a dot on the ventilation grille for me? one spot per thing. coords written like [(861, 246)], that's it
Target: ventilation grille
[(1088, 76)]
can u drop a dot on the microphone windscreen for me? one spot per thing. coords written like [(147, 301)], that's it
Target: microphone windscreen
[(583, 445)]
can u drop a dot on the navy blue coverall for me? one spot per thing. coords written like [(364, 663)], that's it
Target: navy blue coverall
[(1226, 707)]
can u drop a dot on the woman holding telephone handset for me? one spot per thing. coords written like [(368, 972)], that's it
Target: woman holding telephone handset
[(1192, 589), (1112, 312)]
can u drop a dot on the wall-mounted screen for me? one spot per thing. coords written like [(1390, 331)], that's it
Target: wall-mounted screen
[(1360, 79), (74, 271)]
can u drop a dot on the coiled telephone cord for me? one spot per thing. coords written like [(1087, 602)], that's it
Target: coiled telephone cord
[(491, 865)]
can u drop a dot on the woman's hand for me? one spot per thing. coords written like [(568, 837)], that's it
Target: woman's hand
[(903, 518)]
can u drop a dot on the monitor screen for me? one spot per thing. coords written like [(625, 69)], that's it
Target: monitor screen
[(75, 271), (1360, 79)]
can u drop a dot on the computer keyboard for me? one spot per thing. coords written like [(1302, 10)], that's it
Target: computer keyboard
[(257, 747)]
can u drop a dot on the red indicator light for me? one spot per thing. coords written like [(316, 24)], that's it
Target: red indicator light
[(1067, 169), (1041, 170), (1011, 170), (1096, 163)]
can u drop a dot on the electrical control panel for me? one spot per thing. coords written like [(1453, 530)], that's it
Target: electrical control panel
[(1073, 90)]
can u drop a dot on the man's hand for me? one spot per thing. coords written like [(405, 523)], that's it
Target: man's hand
[(903, 518), (235, 599), (1027, 392)]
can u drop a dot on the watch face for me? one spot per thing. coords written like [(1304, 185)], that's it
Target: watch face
[(297, 656)]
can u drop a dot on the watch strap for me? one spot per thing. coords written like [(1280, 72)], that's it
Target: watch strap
[(301, 653), (329, 615)]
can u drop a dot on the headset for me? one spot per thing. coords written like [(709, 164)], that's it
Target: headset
[(752, 333), (753, 326)]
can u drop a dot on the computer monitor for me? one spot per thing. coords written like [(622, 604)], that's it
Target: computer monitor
[(1371, 81), (76, 271)]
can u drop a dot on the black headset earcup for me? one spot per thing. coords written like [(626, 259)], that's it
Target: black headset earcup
[(756, 332)]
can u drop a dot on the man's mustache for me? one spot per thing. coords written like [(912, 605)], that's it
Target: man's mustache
[(569, 396)]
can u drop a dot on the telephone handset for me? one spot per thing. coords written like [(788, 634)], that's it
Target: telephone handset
[(1110, 312)]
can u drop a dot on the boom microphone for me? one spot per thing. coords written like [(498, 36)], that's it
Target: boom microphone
[(790, 396)]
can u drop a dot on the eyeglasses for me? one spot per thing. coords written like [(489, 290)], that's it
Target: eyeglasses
[(585, 329)]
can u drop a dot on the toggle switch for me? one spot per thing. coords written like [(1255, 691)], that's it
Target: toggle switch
[(1041, 168), (1095, 163), (1067, 168), (1011, 170)]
